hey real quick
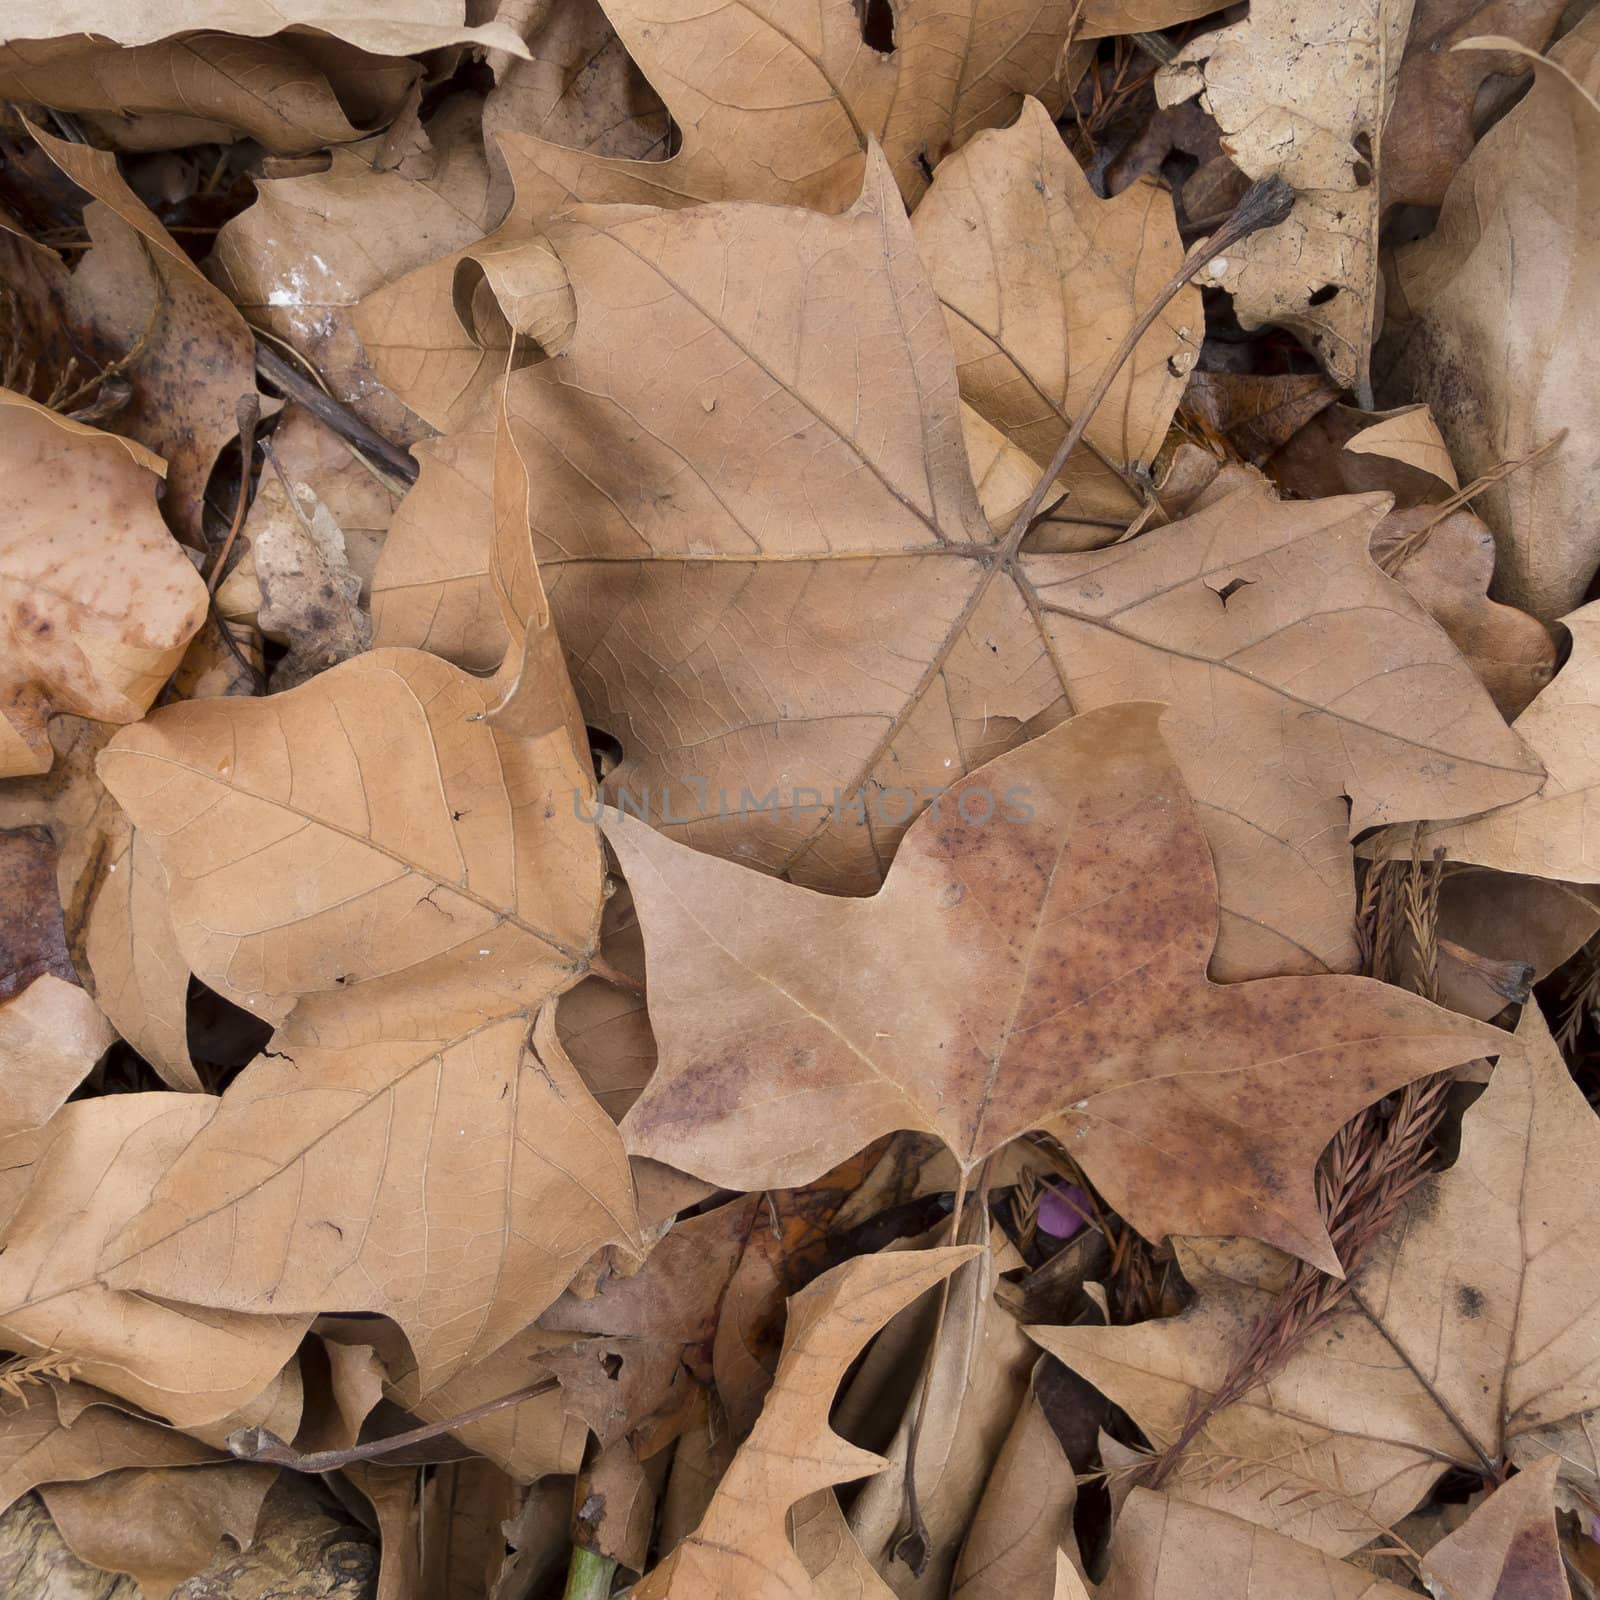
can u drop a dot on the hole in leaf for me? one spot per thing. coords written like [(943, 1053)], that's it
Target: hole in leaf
[(1361, 169), (611, 1363), (606, 749), (1231, 587), (1320, 297), (877, 25)]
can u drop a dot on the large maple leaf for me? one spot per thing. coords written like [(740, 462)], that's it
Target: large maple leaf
[(1036, 956), (1470, 1336), (767, 562)]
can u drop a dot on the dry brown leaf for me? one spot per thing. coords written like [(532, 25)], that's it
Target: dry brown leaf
[(1434, 121), (1502, 320), (1304, 92), (615, 1507), (1045, 967), (1410, 435), (1469, 1337), (828, 1551), (1040, 281), (51, 1035), (162, 1525), (1508, 1549), (1446, 567), (725, 509), (1551, 834), (464, 1506), (1256, 414), (305, 254), (98, 600), (741, 1549), (1164, 1549), (92, 1169), (579, 88), (187, 352), (975, 1379), (393, 1495), (200, 88), (36, 1446), (395, 29), (113, 894), (779, 107), (1024, 1517)]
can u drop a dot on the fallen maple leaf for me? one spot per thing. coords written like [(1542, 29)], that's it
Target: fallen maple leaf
[(1044, 965), (1551, 834), (728, 500), (1501, 317), (97, 599), (741, 1549), (1468, 1337), (1040, 281), (1304, 92)]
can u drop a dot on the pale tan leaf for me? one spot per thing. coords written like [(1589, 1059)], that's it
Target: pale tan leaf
[(1040, 281), (203, 87), (835, 1563), (1509, 1546), (162, 1525), (37, 1447), (1556, 832), (1304, 93), (50, 1036), (304, 255), (1024, 1517), (452, 1177), (1469, 1337), (91, 1172), (97, 599), (739, 471), (1503, 322), (392, 29), (741, 1550), (1041, 964), (1163, 1549), (1409, 435), (393, 1494)]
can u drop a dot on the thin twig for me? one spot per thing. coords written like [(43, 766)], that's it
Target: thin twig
[(261, 1444), (275, 371)]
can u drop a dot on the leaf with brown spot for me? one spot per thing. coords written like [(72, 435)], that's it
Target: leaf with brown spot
[(33, 942), (96, 599), (739, 471), (1470, 1338), (741, 1549), (1045, 966)]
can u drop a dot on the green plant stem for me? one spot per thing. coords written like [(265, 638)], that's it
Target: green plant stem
[(589, 1576)]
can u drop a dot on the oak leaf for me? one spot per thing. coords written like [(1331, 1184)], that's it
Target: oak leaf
[(1555, 833), (1304, 93), (1044, 965), (1501, 319), (1468, 1338), (741, 1549), (97, 599), (739, 471)]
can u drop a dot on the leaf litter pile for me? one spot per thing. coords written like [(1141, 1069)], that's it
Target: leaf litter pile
[(800, 801)]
